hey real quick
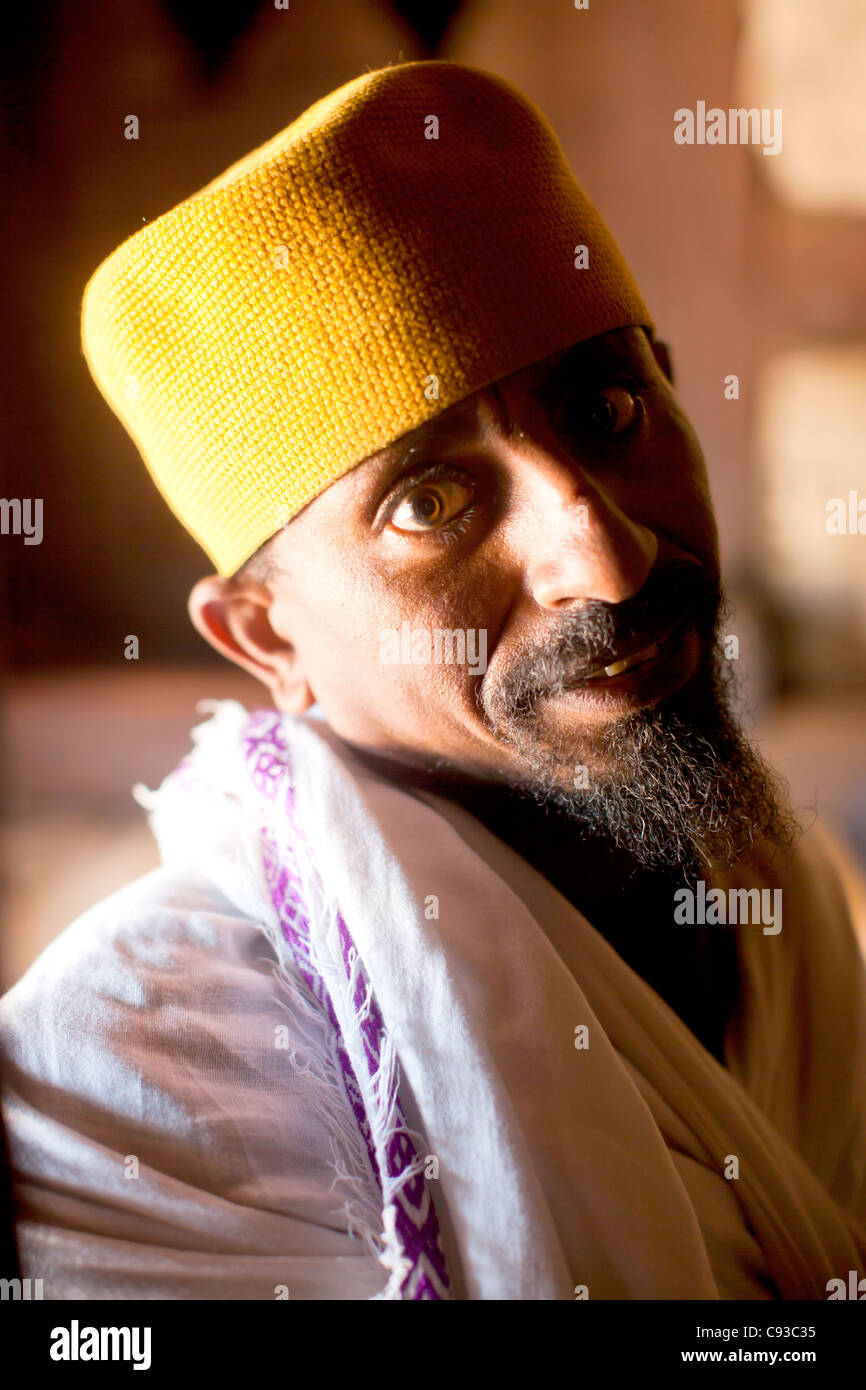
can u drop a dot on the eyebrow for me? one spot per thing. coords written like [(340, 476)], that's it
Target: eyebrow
[(451, 427), (589, 355), (454, 424)]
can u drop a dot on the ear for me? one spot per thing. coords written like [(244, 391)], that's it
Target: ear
[(234, 617), (662, 354)]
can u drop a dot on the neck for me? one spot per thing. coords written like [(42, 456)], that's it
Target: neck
[(601, 879), (694, 969)]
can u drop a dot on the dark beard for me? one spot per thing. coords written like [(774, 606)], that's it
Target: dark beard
[(677, 786)]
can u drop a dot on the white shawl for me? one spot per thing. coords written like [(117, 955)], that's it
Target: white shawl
[(560, 1170)]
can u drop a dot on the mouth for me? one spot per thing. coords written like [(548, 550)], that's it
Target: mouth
[(617, 668), (641, 676), (641, 657)]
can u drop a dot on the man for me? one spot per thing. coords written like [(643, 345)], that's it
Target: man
[(489, 963)]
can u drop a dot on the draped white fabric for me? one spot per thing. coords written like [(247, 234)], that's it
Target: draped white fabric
[(147, 1031)]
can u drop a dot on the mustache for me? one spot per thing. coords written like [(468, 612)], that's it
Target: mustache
[(595, 634)]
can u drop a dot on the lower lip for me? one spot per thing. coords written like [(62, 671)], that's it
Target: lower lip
[(649, 681)]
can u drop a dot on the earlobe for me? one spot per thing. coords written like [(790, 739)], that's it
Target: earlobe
[(235, 619)]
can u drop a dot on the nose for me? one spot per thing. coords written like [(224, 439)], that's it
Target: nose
[(593, 550)]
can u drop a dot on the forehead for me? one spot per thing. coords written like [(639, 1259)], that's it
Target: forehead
[(620, 348)]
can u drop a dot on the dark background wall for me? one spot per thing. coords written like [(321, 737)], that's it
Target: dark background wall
[(730, 274), (737, 273)]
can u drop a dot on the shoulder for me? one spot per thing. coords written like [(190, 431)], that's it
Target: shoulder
[(159, 1039), (819, 896), (141, 953)]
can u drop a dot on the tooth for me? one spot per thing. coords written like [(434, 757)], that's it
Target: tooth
[(619, 666)]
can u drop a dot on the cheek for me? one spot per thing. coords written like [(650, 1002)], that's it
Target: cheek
[(387, 654), (336, 636)]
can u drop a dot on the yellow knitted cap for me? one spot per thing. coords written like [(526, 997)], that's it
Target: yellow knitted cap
[(408, 240)]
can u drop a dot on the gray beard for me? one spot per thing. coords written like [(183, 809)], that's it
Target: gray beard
[(680, 794), (678, 786)]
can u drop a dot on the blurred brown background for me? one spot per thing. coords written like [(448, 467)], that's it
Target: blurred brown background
[(752, 265)]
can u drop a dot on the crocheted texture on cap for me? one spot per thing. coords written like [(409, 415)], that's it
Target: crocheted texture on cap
[(362, 271)]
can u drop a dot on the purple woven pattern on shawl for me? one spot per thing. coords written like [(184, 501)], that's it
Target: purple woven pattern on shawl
[(267, 757)]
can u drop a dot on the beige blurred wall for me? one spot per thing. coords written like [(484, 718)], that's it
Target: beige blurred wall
[(733, 275), (609, 79)]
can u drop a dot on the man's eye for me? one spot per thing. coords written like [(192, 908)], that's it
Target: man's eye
[(612, 409), (429, 505)]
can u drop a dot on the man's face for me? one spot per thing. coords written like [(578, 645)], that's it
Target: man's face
[(567, 485), (563, 518)]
